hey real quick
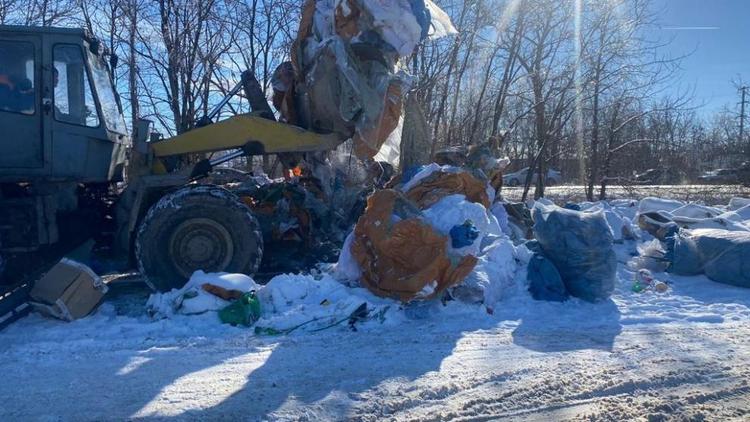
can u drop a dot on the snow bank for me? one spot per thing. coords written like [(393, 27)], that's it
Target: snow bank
[(192, 299), (658, 204), (346, 268), (304, 303), (496, 275)]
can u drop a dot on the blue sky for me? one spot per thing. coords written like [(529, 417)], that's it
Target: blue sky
[(719, 32)]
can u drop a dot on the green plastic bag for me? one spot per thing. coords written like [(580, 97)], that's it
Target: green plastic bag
[(244, 311)]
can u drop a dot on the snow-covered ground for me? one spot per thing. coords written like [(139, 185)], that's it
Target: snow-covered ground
[(682, 354), (710, 194), (648, 356)]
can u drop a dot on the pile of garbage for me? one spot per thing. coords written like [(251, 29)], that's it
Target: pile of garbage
[(692, 239), (424, 236), (430, 238), (435, 232), (344, 76)]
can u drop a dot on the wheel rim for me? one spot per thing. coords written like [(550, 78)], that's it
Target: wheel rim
[(200, 244)]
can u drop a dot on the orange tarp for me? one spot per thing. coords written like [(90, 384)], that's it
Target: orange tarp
[(441, 184), (399, 259)]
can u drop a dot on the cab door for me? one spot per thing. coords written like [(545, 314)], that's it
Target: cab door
[(75, 118), (21, 140)]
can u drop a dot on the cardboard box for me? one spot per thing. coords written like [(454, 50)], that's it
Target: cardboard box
[(69, 291)]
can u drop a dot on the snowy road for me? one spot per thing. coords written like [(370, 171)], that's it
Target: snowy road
[(646, 356)]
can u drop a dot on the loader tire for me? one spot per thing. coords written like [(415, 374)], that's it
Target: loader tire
[(200, 227)]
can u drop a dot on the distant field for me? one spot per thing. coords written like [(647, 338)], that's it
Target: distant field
[(709, 194)]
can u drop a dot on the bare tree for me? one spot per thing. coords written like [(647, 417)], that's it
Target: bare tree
[(549, 74), (6, 7)]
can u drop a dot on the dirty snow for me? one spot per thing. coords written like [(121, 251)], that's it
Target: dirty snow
[(636, 356), (684, 354)]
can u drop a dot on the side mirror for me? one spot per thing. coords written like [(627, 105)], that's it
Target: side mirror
[(96, 47)]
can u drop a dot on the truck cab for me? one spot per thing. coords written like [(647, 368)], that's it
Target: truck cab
[(61, 119), (63, 139)]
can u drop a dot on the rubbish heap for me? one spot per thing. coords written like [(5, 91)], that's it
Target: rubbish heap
[(344, 76), (422, 240), (697, 239), (427, 235)]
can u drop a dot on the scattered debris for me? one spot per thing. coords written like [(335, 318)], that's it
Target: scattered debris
[(662, 218), (645, 281), (194, 298)]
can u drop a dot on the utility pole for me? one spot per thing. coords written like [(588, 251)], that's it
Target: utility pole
[(742, 115)]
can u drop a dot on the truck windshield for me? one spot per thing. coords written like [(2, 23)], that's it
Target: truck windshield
[(112, 115)]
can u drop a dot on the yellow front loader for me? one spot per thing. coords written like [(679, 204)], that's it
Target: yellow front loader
[(174, 226), (69, 170)]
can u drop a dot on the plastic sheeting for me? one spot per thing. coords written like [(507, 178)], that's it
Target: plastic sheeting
[(347, 56), (441, 22), (427, 191), (545, 282), (724, 256)]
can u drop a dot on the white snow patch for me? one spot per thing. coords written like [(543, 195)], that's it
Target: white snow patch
[(494, 278), (454, 210), (658, 204), (347, 269), (192, 299)]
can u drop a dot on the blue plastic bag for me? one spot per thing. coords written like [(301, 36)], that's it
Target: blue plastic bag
[(464, 235), (580, 246), (723, 255), (545, 282)]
